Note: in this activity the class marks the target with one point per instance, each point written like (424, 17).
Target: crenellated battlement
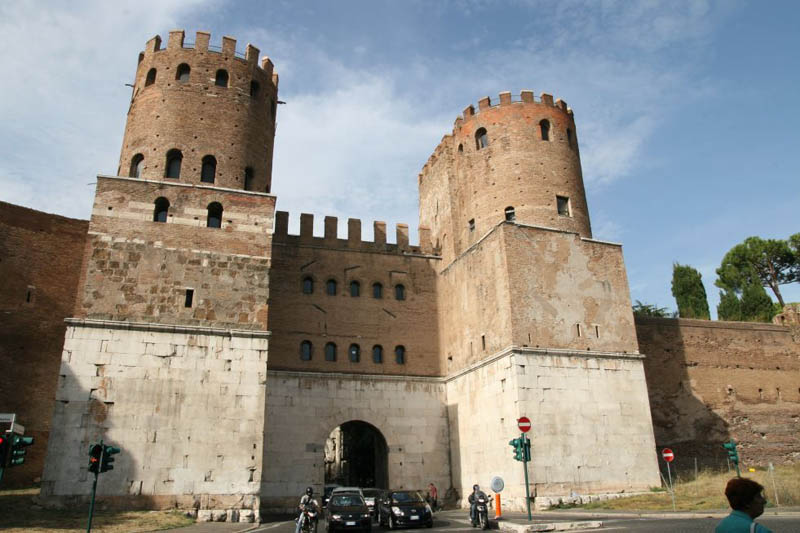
(330, 238)
(202, 44)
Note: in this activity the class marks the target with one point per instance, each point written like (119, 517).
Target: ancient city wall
(352, 317)
(712, 381)
(184, 404)
(303, 408)
(40, 258)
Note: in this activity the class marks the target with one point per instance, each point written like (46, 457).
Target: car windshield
(346, 500)
(406, 497)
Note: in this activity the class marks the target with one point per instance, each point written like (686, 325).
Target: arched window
(544, 127)
(330, 287)
(137, 165)
(254, 88)
(400, 355)
(460, 148)
(209, 169)
(355, 289)
(248, 179)
(182, 73)
(330, 352)
(222, 78)
(173, 167)
(399, 292)
(377, 354)
(214, 219)
(151, 77)
(377, 290)
(308, 285)
(355, 353)
(305, 351)
(161, 209)
(510, 214)
(481, 138)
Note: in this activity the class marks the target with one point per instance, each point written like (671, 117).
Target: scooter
(481, 513)
(309, 519)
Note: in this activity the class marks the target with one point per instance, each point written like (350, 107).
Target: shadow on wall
(451, 495)
(682, 421)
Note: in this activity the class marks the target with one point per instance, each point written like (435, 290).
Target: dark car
(326, 494)
(402, 508)
(347, 510)
(372, 497)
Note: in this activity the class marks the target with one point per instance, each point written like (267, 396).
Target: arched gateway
(356, 455)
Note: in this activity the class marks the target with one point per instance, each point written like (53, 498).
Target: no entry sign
(667, 454)
(524, 424)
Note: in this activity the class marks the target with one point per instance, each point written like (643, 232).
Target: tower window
(308, 285)
(305, 351)
(377, 354)
(189, 297)
(562, 204)
(209, 169)
(330, 352)
(174, 160)
(355, 353)
(221, 79)
(214, 219)
(161, 210)
(330, 287)
(544, 128)
(254, 88)
(460, 148)
(399, 292)
(569, 137)
(355, 289)
(481, 138)
(377, 290)
(510, 214)
(137, 165)
(248, 179)
(273, 107)
(182, 73)
(471, 224)
(400, 355)
(151, 77)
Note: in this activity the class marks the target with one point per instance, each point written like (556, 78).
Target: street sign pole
(94, 489)
(527, 487)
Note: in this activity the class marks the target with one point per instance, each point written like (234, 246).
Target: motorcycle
(309, 518)
(481, 512)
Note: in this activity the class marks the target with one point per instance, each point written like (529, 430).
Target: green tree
(642, 309)
(729, 307)
(768, 262)
(689, 292)
(754, 305)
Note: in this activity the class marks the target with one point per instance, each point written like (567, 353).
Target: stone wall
(185, 405)
(712, 381)
(591, 429)
(303, 408)
(40, 258)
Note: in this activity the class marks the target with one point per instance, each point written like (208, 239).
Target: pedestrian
(434, 494)
(747, 501)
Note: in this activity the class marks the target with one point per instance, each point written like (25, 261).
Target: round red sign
(524, 424)
(667, 454)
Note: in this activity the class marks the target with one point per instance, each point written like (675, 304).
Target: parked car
(372, 497)
(402, 508)
(326, 493)
(339, 489)
(347, 511)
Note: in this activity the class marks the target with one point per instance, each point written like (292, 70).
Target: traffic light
(95, 455)
(3, 453)
(527, 449)
(18, 451)
(733, 455)
(519, 449)
(107, 461)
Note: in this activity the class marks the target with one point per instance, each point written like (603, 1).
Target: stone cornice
(165, 328)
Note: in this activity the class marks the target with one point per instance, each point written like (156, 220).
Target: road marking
(264, 528)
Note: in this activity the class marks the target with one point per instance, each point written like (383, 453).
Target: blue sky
(687, 112)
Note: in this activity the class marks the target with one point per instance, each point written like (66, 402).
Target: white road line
(276, 524)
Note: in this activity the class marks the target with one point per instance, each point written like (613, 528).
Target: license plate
(414, 517)
(349, 523)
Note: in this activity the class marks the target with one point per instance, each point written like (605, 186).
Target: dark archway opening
(356, 455)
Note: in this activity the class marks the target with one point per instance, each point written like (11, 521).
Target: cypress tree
(689, 292)
(729, 307)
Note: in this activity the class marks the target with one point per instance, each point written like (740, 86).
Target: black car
(347, 510)
(401, 508)
(372, 497)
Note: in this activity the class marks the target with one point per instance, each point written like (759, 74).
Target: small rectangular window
(597, 331)
(578, 329)
(189, 298)
(562, 203)
(471, 224)
(29, 294)
(483, 342)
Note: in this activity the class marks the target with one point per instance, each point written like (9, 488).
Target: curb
(551, 526)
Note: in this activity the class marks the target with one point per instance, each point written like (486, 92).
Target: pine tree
(689, 292)
(729, 307)
(756, 304)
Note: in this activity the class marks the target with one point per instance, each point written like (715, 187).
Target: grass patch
(707, 492)
(20, 514)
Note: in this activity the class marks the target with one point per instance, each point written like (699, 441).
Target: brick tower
(166, 354)
(536, 316)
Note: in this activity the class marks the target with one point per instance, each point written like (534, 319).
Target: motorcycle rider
(473, 501)
(308, 498)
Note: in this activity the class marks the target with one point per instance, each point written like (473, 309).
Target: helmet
(475, 487)
(309, 491)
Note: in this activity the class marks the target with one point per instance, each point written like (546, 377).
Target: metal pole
(671, 488)
(695, 476)
(527, 488)
(94, 490)
(774, 489)
(738, 474)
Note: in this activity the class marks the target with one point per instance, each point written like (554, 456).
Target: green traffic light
(18, 451)
(107, 461)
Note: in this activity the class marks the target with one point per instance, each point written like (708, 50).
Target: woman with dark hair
(747, 501)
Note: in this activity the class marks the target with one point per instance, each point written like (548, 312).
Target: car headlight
(397, 511)
(336, 516)
(365, 515)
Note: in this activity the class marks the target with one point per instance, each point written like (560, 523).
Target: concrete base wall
(591, 431)
(304, 408)
(184, 404)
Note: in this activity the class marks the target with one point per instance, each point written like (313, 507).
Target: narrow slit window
(221, 79)
(214, 219)
(161, 209)
(209, 169)
(305, 351)
(355, 353)
(182, 73)
(330, 352)
(355, 289)
(481, 138)
(377, 354)
(29, 294)
(254, 89)
(544, 129)
(187, 302)
(308, 285)
(578, 329)
(569, 137)
(377, 291)
(471, 224)
(562, 204)
(330, 287)
(510, 214)
(483, 342)
(400, 292)
(597, 332)
(137, 165)
(400, 355)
